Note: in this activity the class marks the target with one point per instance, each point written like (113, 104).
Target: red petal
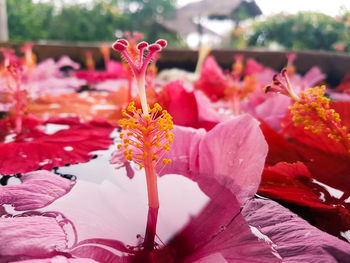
(292, 184)
(327, 160)
(35, 149)
(212, 80)
(182, 105)
(280, 150)
(345, 84)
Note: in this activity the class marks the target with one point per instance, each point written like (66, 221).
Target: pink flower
(201, 222)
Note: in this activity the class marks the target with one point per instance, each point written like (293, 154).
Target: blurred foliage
(149, 14)
(29, 21)
(84, 23)
(305, 30)
(97, 20)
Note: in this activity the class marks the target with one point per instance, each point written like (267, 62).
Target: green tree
(28, 21)
(305, 30)
(79, 22)
(147, 16)
(96, 20)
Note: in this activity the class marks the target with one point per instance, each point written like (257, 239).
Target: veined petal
(295, 239)
(58, 259)
(31, 236)
(234, 149)
(38, 189)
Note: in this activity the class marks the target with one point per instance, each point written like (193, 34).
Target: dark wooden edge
(334, 64)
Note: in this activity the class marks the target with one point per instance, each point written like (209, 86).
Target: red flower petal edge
(36, 148)
(293, 185)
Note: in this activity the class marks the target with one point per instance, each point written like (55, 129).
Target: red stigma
(162, 43)
(118, 46)
(138, 65)
(154, 48)
(123, 42)
(142, 45)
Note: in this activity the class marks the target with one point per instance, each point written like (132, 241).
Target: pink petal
(115, 68)
(206, 109)
(59, 259)
(235, 149)
(99, 254)
(118, 158)
(253, 67)
(45, 69)
(273, 109)
(194, 229)
(220, 228)
(313, 76)
(31, 236)
(65, 61)
(38, 189)
(295, 239)
(184, 152)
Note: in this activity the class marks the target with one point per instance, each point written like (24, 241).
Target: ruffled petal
(36, 236)
(38, 189)
(295, 239)
(59, 259)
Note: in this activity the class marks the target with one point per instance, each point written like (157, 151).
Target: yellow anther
(314, 113)
(145, 134)
(157, 107)
(148, 118)
(166, 161)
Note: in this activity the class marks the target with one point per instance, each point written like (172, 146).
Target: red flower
(36, 147)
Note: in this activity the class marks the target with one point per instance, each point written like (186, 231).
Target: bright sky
(275, 6)
(329, 7)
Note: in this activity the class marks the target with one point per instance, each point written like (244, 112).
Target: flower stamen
(146, 139)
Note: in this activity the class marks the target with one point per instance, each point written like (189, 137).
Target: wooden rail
(334, 64)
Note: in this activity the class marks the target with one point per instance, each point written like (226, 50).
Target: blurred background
(239, 24)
